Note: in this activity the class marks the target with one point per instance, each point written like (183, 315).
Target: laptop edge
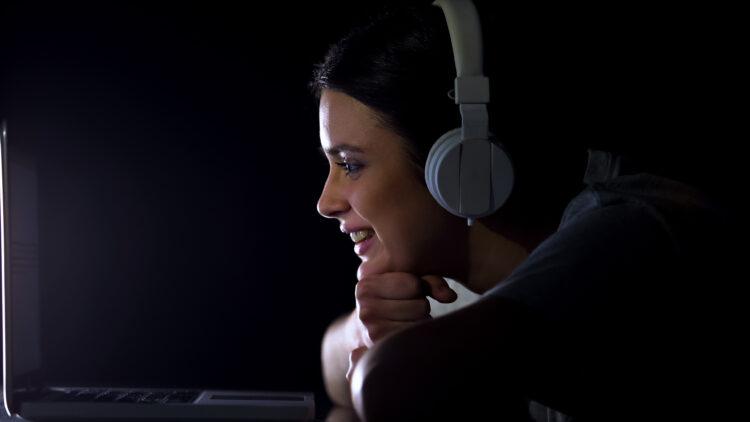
(211, 404)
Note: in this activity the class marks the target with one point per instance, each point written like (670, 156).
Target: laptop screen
(20, 272)
(146, 261)
(23, 264)
(137, 265)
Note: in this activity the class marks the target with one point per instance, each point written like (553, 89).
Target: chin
(377, 264)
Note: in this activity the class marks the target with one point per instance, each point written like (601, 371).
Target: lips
(363, 246)
(361, 236)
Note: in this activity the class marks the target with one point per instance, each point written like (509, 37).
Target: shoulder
(602, 249)
(617, 240)
(595, 228)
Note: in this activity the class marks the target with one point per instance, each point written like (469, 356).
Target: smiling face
(373, 185)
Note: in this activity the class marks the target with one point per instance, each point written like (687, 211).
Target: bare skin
(373, 185)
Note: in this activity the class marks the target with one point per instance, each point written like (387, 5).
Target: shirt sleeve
(597, 289)
(597, 268)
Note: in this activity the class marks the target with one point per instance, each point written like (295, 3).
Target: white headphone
(467, 172)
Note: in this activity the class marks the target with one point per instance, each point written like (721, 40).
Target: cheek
(410, 224)
(414, 230)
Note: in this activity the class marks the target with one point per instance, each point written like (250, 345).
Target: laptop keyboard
(122, 396)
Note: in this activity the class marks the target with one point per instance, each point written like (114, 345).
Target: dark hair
(396, 65)
(400, 64)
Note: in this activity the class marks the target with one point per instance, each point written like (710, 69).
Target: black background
(176, 144)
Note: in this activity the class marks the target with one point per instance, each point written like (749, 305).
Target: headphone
(467, 171)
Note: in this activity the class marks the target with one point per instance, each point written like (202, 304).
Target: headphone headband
(471, 86)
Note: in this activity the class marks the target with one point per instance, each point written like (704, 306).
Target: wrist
(352, 331)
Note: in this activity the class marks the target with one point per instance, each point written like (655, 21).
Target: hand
(392, 301)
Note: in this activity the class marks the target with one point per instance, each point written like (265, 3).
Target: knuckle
(365, 312)
(413, 285)
(361, 290)
(376, 332)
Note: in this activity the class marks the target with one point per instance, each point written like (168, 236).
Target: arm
(457, 367)
(607, 322)
(386, 303)
(338, 342)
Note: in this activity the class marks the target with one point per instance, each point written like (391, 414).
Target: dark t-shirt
(630, 298)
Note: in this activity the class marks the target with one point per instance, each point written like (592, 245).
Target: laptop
(28, 396)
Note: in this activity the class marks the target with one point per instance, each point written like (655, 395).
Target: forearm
(338, 342)
(452, 366)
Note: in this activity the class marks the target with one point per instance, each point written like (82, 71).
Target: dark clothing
(630, 299)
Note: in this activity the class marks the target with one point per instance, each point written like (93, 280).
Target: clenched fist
(389, 302)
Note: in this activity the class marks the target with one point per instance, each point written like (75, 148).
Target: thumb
(438, 289)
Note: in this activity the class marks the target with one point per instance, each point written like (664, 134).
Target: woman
(556, 264)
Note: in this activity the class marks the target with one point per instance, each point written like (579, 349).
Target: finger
(390, 286)
(373, 332)
(354, 357)
(393, 310)
(438, 289)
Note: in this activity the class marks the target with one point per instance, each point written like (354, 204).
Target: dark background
(176, 145)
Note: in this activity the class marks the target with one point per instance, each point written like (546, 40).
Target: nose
(332, 202)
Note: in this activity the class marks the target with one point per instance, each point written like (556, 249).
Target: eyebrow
(336, 150)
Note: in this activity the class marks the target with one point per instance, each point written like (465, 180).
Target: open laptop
(26, 395)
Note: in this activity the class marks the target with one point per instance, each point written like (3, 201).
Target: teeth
(360, 235)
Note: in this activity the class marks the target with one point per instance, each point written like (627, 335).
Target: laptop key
(153, 398)
(84, 396)
(108, 396)
(131, 397)
(182, 397)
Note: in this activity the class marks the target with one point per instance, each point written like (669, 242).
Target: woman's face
(373, 187)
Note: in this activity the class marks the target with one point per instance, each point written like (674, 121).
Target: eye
(349, 167)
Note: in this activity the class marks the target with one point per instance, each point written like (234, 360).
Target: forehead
(347, 124)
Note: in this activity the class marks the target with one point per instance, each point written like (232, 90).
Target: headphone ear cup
(503, 175)
(442, 171)
(443, 175)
